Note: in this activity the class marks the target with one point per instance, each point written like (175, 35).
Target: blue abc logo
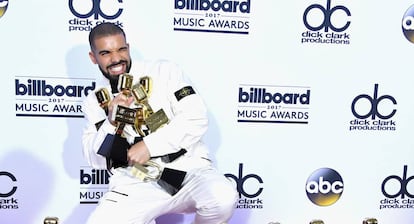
(327, 12)
(94, 11)
(408, 24)
(3, 7)
(324, 186)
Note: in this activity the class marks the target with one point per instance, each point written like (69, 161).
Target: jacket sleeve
(93, 136)
(187, 113)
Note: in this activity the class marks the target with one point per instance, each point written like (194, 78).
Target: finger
(130, 100)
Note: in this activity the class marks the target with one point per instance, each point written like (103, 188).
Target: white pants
(206, 192)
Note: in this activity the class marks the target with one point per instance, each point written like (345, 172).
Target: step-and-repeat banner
(310, 103)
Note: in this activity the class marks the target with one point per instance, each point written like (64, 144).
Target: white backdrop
(293, 161)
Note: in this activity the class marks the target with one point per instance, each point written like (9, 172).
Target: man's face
(111, 54)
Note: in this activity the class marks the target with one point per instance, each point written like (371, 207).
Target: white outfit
(129, 200)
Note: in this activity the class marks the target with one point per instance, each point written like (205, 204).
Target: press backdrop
(310, 103)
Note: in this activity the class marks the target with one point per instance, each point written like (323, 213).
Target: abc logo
(324, 187)
(374, 102)
(403, 183)
(12, 179)
(95, 10)
(327, 13)
(408, 24)
(3, 7)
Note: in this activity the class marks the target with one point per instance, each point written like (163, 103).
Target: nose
(115, 58)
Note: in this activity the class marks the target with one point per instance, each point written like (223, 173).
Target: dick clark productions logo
(373, 112)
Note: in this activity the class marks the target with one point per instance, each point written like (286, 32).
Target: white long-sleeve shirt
(187, 117)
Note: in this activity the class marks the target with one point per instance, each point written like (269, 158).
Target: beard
(113, 79)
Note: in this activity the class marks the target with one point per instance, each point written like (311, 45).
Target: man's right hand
(120, 99)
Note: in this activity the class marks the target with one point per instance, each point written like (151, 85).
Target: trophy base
(115, 148)
(171, 180)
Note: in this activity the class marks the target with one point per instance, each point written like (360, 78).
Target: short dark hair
(104, 29)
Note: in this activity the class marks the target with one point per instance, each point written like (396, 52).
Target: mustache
(117, 63)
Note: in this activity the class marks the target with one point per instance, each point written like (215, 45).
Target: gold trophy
(124, 115)
(370, 221)
(103, 97)
(125, 83)
(150, 171)
(152, 120)
(156, 120)
(316, 221)
(51, 220)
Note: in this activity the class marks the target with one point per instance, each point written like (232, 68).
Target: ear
(92, 57)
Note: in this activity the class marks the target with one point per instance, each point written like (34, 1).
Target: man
(130, 197)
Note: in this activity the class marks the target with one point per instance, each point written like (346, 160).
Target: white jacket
(187, 118)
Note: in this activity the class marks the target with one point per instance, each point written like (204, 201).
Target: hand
(138, 153)
(120, 99)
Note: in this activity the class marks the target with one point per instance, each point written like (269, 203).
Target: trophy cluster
(51, 220)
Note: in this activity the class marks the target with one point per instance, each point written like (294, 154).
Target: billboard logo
(273, 104)
(324, 187)
(212, 16)
(51, 97)
(93, 185)
(94, 177)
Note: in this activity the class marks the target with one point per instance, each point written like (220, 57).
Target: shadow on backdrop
(31, 194)
(78, 66)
